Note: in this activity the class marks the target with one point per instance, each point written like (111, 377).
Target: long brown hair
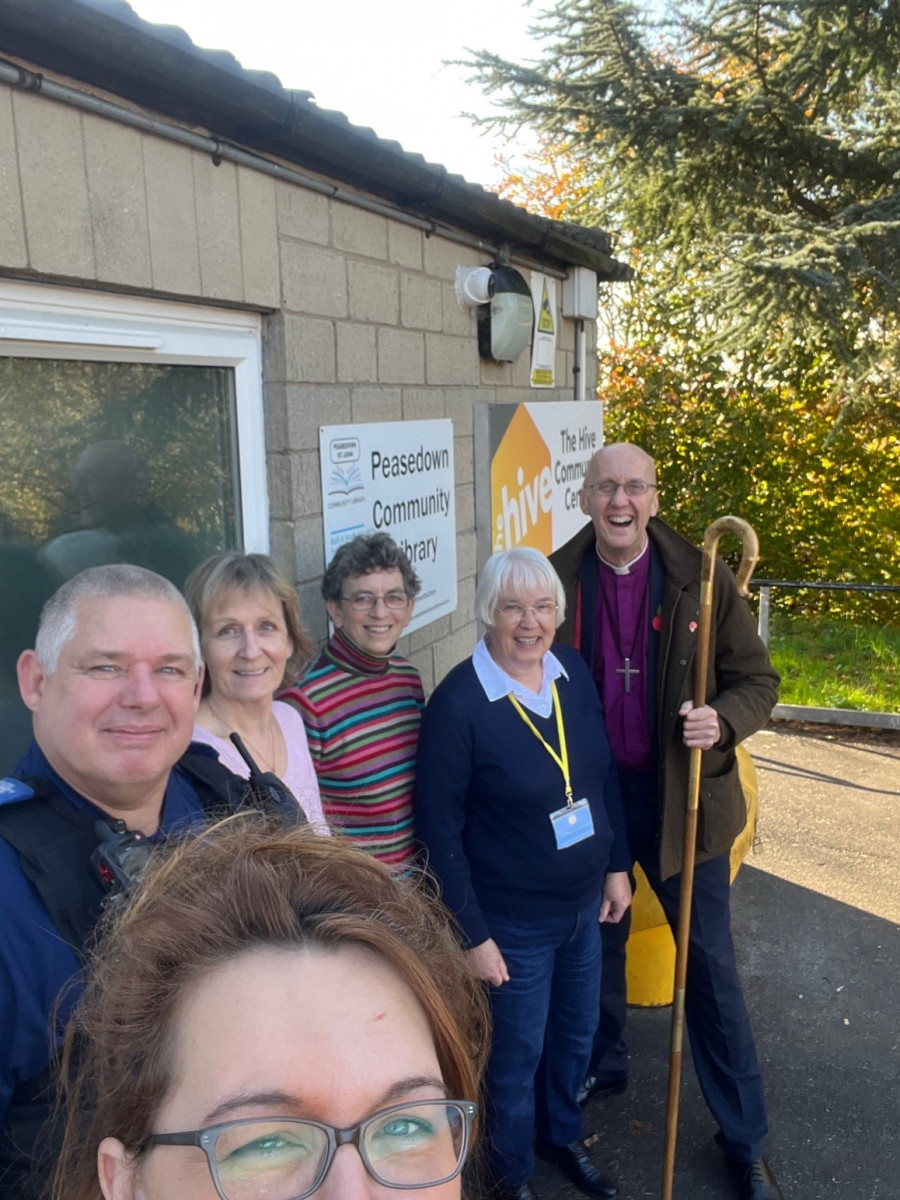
(239, 886)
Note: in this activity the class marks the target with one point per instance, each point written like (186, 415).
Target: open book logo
(343, 481)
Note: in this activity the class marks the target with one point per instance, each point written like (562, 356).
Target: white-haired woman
(518, 805)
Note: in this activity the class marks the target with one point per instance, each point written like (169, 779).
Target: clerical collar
(626, 570)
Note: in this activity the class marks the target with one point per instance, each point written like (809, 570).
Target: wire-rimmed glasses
(608, 487)
(510, 612)
(415, 1145)
(366, 601)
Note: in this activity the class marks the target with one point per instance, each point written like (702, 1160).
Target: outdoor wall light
(474, 285)
(505, 309)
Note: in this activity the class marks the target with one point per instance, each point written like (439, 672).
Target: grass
(828, 663)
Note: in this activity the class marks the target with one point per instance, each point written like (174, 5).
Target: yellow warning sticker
(545, 319)
(543, 345)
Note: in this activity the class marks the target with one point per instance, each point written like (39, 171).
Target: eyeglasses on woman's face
(511, 612)
(373, 610)
(366, 601)
(415, 1145)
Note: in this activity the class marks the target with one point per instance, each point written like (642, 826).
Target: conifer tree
(752, 148)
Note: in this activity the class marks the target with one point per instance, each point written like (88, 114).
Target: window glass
(105, 462)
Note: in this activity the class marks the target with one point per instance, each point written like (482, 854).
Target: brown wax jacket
(742, 686)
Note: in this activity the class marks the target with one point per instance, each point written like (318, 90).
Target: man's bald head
(620, 454)
(619, 495)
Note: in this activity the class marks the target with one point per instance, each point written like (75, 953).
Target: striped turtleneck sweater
(362, 716)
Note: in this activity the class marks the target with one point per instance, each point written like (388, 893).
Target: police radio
(269, 789)
(122, 854)
(120, 857)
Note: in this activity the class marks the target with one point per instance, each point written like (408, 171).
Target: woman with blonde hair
(251, 639)
(272, 1017)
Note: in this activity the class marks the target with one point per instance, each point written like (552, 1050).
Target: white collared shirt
(497, 684)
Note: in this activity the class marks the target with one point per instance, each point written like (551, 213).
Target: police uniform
(50, 897)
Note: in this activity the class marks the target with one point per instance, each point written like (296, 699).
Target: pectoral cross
(628, 670)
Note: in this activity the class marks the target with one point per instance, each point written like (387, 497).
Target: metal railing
(765, 594)
(826, 716)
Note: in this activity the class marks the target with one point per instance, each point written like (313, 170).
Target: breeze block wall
(361, 322)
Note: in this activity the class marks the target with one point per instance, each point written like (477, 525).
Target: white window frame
(42, 321)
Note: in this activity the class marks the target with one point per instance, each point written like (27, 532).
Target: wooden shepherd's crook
(749, 559)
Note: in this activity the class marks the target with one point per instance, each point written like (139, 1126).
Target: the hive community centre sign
(395, 478)
(530, 461)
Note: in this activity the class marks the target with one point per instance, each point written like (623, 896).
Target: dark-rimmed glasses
(609, 487)
(366, 601)
(415, 1145)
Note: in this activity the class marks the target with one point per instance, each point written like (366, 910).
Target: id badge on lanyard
(572, 824)
(575, 822)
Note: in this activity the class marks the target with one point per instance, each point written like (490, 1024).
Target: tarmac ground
(816, 920)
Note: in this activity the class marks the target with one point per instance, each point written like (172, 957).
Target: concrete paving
(816, 909)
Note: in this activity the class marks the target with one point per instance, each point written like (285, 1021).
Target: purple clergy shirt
(625, 599)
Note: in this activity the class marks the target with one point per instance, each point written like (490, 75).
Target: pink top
(300, 775)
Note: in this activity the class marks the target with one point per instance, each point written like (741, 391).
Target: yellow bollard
(650, 961)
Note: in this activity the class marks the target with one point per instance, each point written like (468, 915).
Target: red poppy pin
(656, 623)
(693, 627)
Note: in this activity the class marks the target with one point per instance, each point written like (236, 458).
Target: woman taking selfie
(273, 1017)
(251, 637)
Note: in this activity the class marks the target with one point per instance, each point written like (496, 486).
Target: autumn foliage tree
(748, 156)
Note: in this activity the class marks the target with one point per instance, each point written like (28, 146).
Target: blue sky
(378, 61)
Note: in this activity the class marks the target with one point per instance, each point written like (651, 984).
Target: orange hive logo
(522, 488)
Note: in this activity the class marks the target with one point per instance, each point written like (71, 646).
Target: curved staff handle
(749, 559)
(749, 548)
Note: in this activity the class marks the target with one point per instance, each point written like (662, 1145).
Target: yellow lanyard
(561, 759)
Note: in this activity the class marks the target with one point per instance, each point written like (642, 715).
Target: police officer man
(632, 589)
(113, 684)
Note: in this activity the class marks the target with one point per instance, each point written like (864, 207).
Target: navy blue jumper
(485, 790)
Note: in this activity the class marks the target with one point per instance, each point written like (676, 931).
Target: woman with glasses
(251, 638)
(518, 805)
(362, 702)
(272, 1017)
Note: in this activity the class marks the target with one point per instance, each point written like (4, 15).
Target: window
(130, 431)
